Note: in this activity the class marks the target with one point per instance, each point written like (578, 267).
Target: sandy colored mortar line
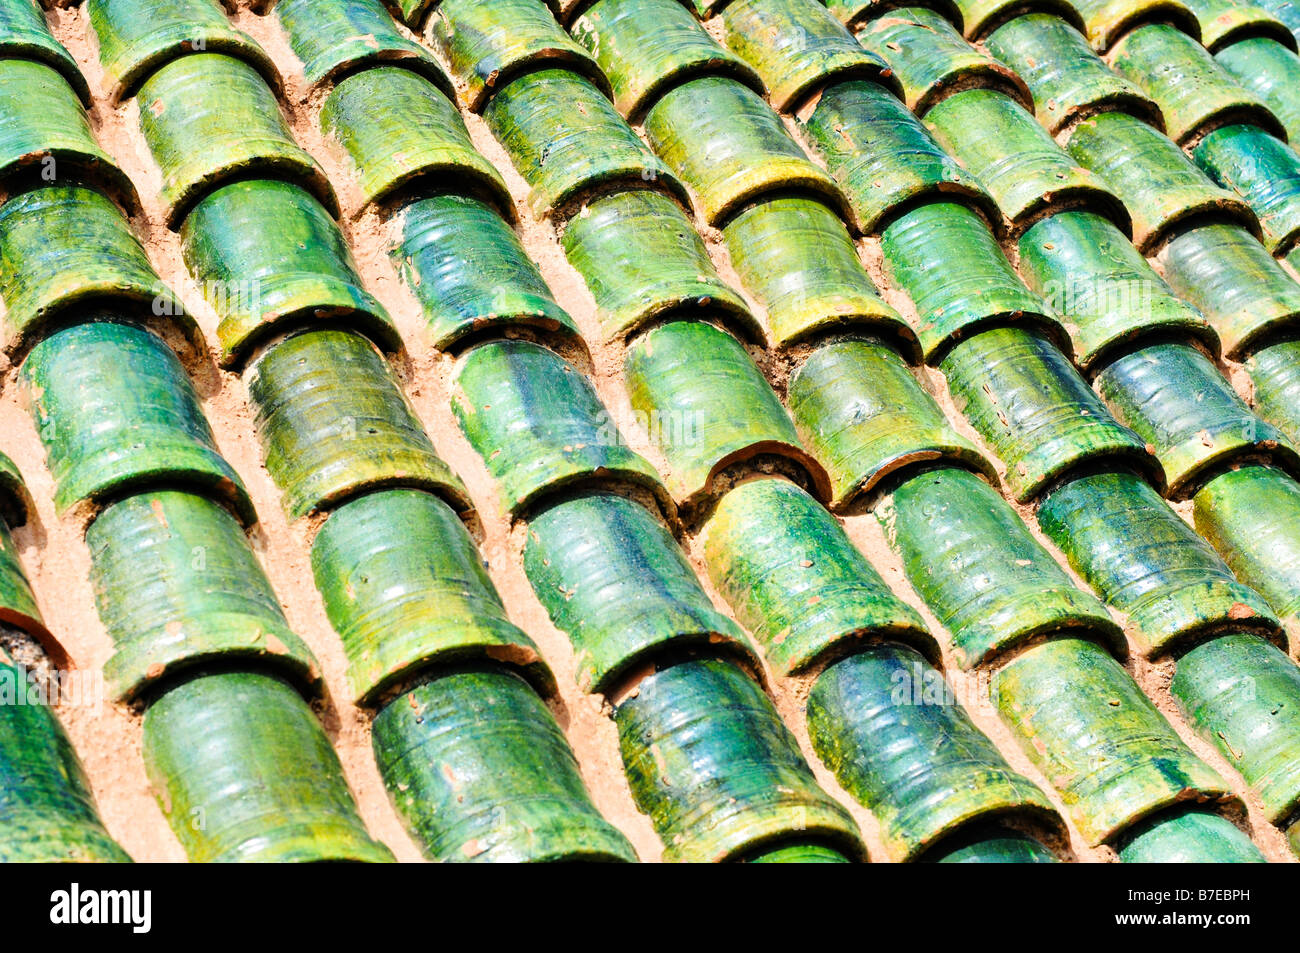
(281, 549)
(426, 377)
(106, 736)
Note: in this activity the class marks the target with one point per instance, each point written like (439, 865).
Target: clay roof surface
(728, 430)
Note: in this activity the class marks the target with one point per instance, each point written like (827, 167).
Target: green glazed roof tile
(24, 34)
(1269, 70)
(645, 47)
(332, 39)
(798, 47)
(933, 60)
(1193, 91)
(137, 37)
(489, 44)
(1224, 22)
